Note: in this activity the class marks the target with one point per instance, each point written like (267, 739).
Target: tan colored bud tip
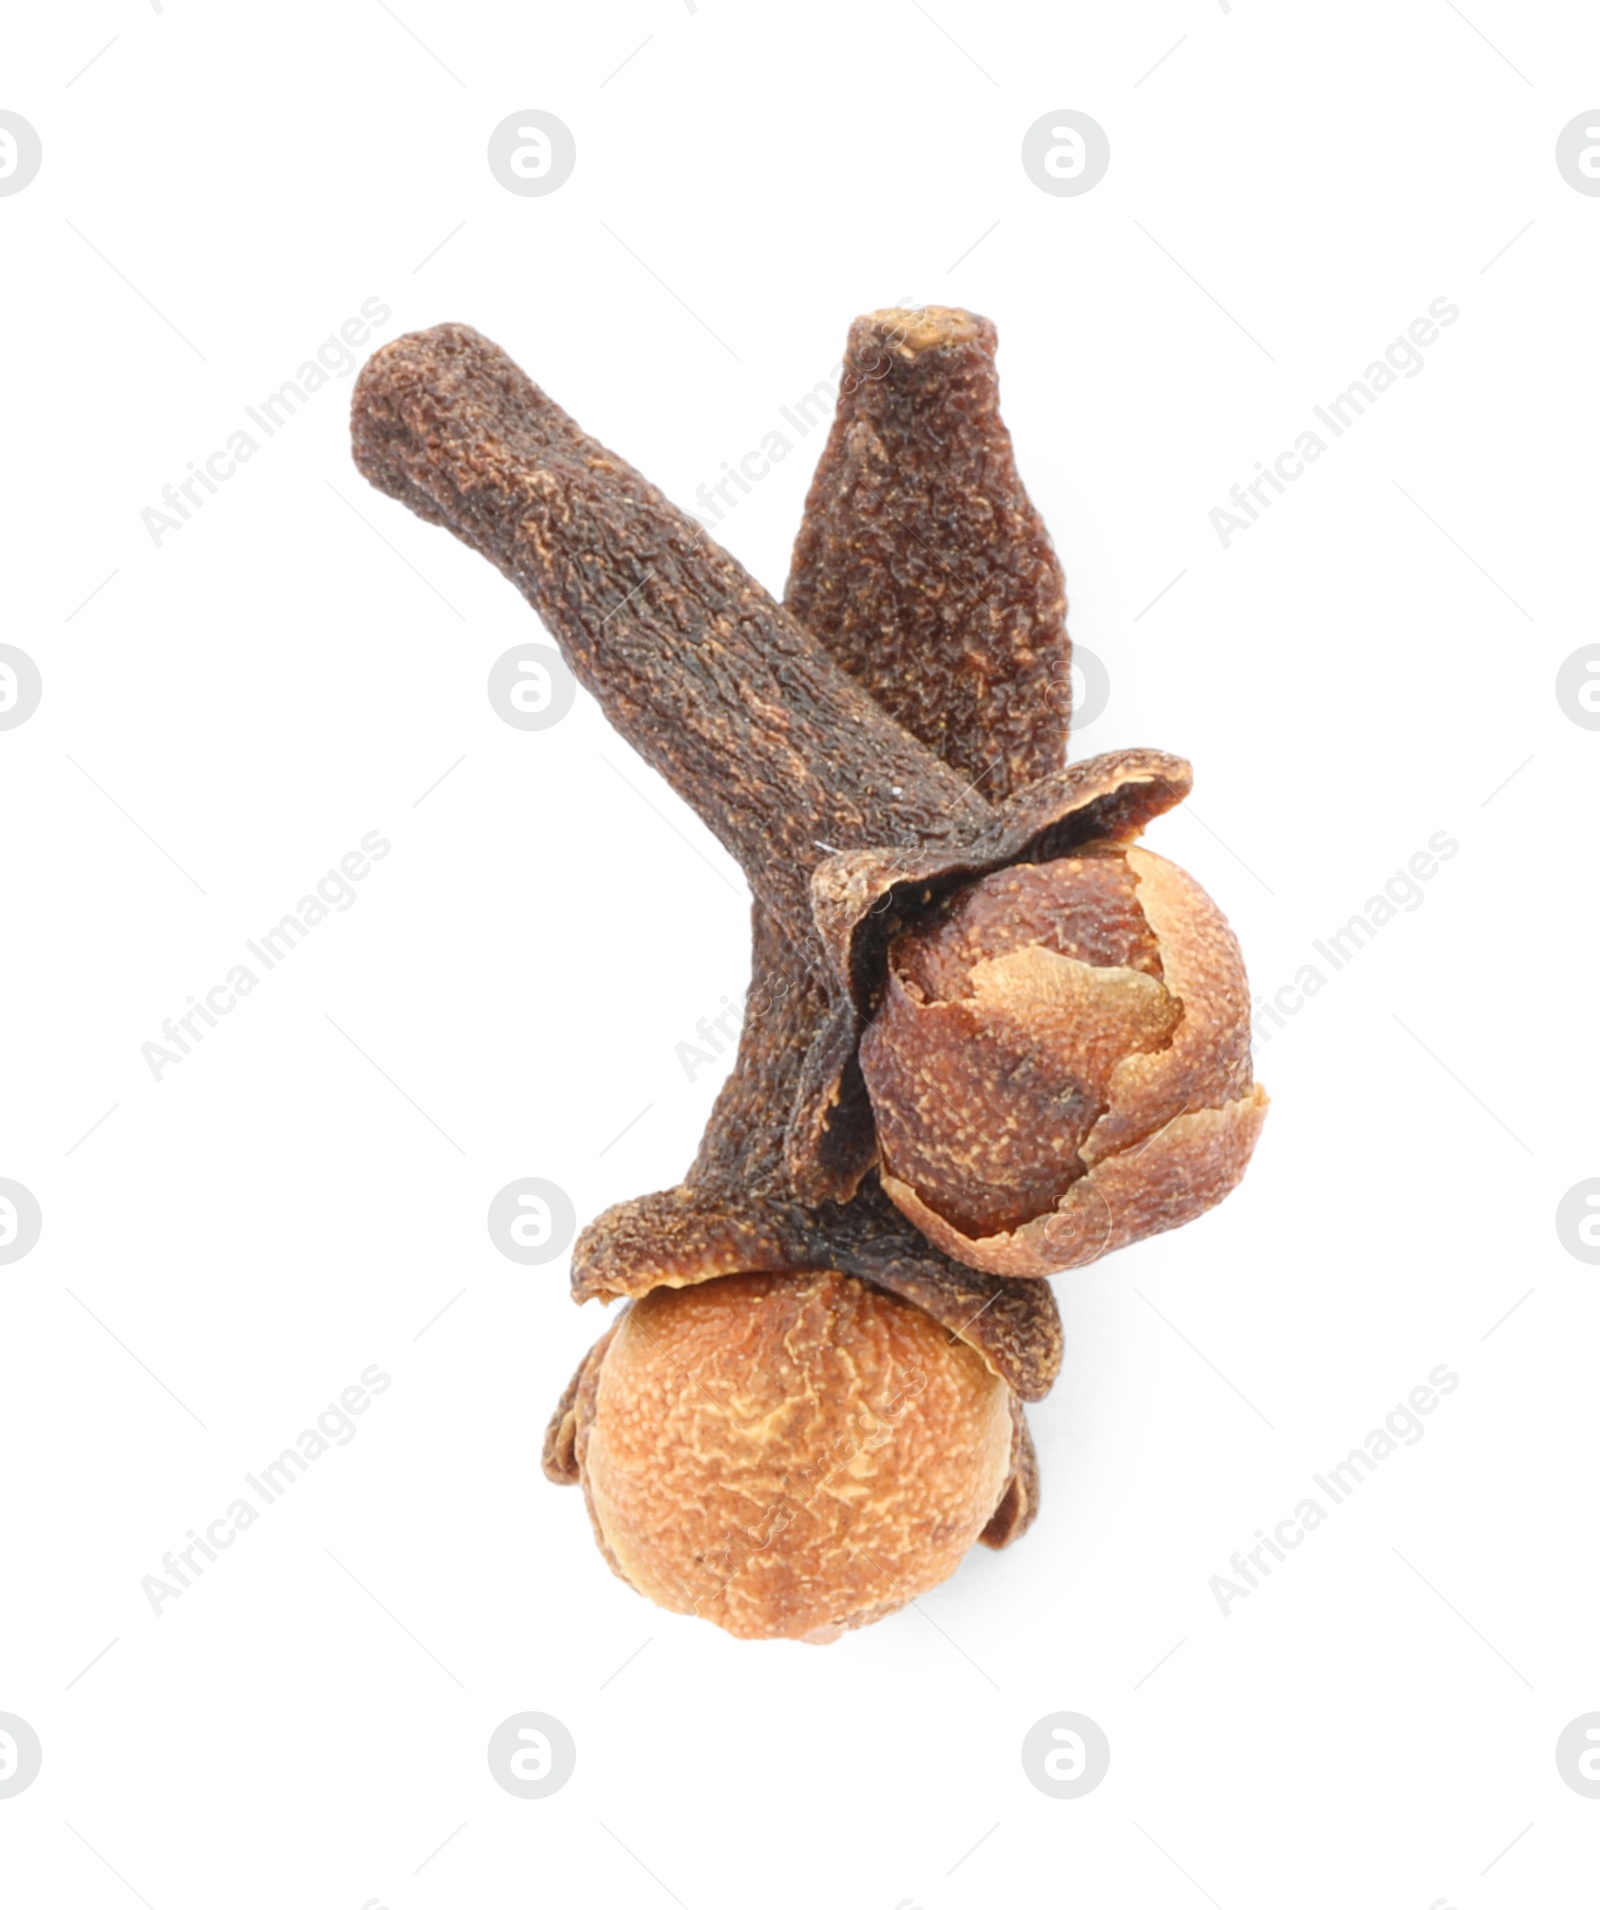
(790, 1455)
(1061, 1062)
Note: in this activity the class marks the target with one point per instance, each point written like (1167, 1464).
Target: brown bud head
(789, 1456)
(1061, 1061)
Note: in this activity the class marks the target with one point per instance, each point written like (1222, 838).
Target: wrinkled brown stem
(713, 683)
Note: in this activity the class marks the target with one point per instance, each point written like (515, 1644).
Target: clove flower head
(789, 1456)
(1060, 1063)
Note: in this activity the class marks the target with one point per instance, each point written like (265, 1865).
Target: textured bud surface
(789, 1456)
(1061, 1063)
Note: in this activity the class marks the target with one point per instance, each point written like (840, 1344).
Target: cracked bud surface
(1061, 1062)
(789, 1456)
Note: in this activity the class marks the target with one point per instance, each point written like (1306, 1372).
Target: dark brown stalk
(715, 685)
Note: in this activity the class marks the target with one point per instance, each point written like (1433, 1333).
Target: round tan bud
(1061, 1062)
(788, 1455)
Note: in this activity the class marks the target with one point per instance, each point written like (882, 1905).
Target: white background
(1367, 666)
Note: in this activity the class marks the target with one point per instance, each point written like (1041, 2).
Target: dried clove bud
(790, 1455)
(811, 1404)
(1061, 1061)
